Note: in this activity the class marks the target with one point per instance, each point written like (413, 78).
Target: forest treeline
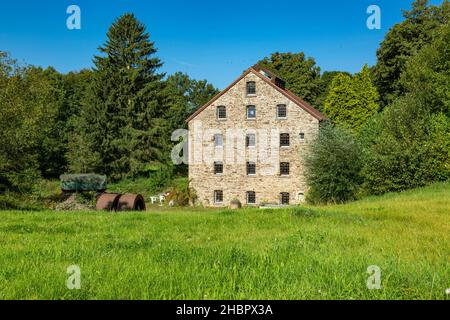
(389, 123)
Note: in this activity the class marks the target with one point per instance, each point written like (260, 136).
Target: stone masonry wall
(267, 183)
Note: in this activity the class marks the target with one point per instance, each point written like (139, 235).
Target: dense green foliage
(408, 145)
(403, 41)
(351, 100)
(123, 114)
(301, 74)
(117, 118)
(298, 253)
(333, 166)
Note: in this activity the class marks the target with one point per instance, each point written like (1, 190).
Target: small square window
(284, 168)
(218, 196)
(251, 168)
(250, 140)
(221, 112)
(302, 136)
(284, 198)
(251, 87)
(251, 112)
(218, 167)
(284, 139)
(218, 140)
(251, 197)
(281, 111)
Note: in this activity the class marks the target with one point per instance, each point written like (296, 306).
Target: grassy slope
(249, 254)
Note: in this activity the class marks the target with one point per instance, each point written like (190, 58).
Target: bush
(405, 147)
(333, 166)
(180, 193)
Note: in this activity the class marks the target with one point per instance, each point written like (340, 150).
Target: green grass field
(296, 253)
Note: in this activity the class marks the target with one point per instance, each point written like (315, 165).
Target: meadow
(193, 253)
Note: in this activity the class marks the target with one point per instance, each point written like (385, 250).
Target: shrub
(333, 166)
(405, 147)
(180, 193)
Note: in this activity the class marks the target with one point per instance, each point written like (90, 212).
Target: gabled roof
(276, 82)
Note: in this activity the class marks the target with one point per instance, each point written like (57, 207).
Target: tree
(187, 96)
(403, 41)
(126, 102)
(428, 73)
(408, 144)
(351, 100)
(405, 147)
(301, 74)
(333, 166)
(325, 83)
(28, 110)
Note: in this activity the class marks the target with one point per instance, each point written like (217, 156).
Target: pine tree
(126, 102)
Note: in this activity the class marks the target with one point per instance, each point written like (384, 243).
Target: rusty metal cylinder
(107, 201)
(131, 202)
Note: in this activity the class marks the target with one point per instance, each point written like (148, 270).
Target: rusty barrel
(128, 202)
(107, 201)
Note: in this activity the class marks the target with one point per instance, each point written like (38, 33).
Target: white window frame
(248, 139)
(247, 109)
(216, 140)
(246, 88)
(215, 196)
(218, 163)
(218, 112)
(278, 107)
(246, 168)
(300, 136)
(247, 196)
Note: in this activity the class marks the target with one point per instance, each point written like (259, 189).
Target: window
(218, 167)
(302, 136)
(250, 140)
(284, 197)
(251, 168)
(218, 140)
(301, 196)
(284, 168)
(251, 197)
(218, 196)
(251, 87)
(251, 112)
(284, 139)
(221, 112)
(281, 111)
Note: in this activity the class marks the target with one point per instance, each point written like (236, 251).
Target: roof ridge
(296, 99)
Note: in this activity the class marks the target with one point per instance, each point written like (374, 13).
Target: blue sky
(214, 40)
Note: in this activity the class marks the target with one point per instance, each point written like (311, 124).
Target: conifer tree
(126, 102)
(352, 100)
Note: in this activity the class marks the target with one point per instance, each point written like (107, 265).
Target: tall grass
(295, 253)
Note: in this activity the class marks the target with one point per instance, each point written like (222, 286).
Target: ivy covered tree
(126, 103)
(351, 101)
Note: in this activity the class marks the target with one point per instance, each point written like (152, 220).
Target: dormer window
(281, 111)
(221, 112)
(251, 87)
(251, 112)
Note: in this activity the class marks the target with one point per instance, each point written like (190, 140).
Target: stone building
(247, 143)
